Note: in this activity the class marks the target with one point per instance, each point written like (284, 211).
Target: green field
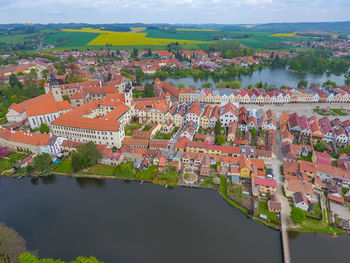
(18, 38)
(188, 35)
(77, 39)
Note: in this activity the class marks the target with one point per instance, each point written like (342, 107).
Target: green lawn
(16, 156)
(5, 164)
(65, 167)
(271, 217)
(223, 188)
(147, 128)
(74, 39)
(126, 170)
(166, 136)
(169, 175)
(147, 174)
(131, 127)
(306, 158)
(340, 112)
(102, 169)
(18, 38)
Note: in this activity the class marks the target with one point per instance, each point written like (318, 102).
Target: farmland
(284, 34)
(127, 38)
(71, 39)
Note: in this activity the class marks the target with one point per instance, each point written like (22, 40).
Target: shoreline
(228, 200)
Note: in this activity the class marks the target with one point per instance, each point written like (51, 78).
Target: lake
(121, 222)
(276, 77)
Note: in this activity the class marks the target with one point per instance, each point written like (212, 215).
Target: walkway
(285, 208)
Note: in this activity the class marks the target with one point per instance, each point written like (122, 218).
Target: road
(285, 207)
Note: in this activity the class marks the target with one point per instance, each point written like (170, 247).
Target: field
(18, 38)
(199, 30)
(127, 38)
(284, 34)
(181, 34)
(73, 39)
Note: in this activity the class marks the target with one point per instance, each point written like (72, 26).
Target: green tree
(44, 128)
(92, 68)
(302, 83)
(12, 245)
(86, 155)
(329, 83)
(218, 127)
(220, 139)
(29, 258)
(66, 98)
(320, 146)
(253, 132)
(14, 82)
(207, 85)
(181, 86)
(297, 215)
(41, 162)
(70, 59)
(346, 149)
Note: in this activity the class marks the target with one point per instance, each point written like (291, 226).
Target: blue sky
(173, 11)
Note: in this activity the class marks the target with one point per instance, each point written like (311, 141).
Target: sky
(173, 11)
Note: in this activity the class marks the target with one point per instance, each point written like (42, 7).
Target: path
(285, 208)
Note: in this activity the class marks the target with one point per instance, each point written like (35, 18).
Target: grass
(307, 158)
(147, 128)
(340, 112)
(332, 112)
(18, 38)
(73, 38)
(126, 170)
(65, 167)
(208, 181)
(166, 136)
(181, 34)
(102, 169)
(223, 188)
(5, 164)
(127, 38)
(271, 217)
(197, 30)
(16, 156)
(147, 174)
(131, 127)
(168, 175)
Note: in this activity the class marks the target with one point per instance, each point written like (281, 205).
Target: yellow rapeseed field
(128, 38)
(189, 29)
(284, 34)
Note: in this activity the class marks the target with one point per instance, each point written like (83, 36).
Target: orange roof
(36, 139)
(18, 107)
(74, 118)
(63, 105)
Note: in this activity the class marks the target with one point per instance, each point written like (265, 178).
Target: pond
(276, 77)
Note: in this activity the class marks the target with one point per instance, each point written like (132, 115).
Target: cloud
(173, 11)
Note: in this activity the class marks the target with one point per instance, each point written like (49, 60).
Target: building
(94, 121)
(300, 201)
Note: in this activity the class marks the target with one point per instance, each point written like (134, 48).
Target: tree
(220, 139)
(329, 83)
(41, 162)
(181, 86)
(92, 68)
(66, 98)
(253, 132)
(302, 83)
(14, 82)
(29, 258)
(12, 245)
(70, 59)
(346, 149)
(44, 128)
(320, 146)
(86, 155)
(218, 127)
(297, 215)
(207, 85)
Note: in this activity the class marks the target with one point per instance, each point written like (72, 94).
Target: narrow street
(285, 208)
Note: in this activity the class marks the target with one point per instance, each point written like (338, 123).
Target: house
(194, 113)
(300, 201)
(261, 185)
(205, 121)
(228, 114)
(293, 186)
(273, 204)
(231, 134)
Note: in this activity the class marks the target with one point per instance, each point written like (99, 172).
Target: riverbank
(311, 226)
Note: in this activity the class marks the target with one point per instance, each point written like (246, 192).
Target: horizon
(223, 12)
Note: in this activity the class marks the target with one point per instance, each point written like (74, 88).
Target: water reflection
(83, 182)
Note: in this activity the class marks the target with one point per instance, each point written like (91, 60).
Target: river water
(121, 222)
(276, 77)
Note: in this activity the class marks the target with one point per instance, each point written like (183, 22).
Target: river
(121, 222)
(276, 77)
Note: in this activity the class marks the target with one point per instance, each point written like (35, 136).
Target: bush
(44, 128)
(220, 139)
